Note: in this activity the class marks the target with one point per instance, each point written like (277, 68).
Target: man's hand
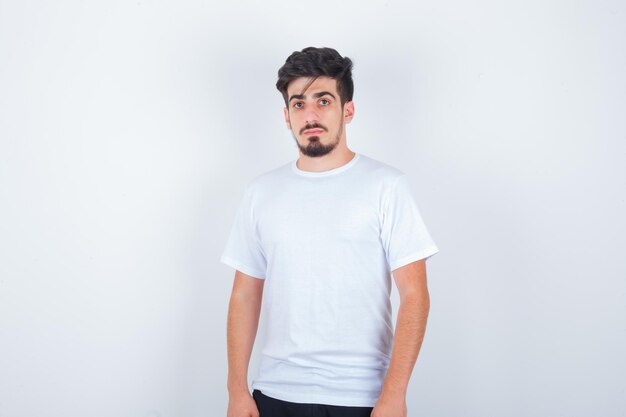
(390, 405)
(242, 405)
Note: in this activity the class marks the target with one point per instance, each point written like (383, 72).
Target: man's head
(316, 84)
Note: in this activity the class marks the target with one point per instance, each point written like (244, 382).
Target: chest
(301, 217)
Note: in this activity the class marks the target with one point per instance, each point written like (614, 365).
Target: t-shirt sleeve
(404, 235)
(243, 249)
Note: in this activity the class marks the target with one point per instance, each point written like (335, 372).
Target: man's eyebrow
(316, 95)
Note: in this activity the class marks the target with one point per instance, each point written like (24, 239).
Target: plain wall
(128, 130)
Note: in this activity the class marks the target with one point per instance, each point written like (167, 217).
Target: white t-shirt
(326, 243)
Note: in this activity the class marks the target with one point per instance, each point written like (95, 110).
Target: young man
(318, 239)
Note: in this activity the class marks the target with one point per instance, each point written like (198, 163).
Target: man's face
(315, 116)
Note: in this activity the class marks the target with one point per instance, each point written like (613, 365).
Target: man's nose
(311, 116)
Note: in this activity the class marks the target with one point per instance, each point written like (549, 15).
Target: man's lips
(313, 131)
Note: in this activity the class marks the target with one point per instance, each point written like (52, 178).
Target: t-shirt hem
(311, 398)
(425, 253)
(242, 267)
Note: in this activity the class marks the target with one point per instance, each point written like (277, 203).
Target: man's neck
(332, 160)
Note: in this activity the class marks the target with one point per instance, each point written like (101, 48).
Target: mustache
(314, 126)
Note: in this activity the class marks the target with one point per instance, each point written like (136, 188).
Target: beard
(315, 148)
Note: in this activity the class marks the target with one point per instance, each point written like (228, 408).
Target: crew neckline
(326, 173)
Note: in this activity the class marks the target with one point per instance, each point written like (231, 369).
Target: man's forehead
(302, 84)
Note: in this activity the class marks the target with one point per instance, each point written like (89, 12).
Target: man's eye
(327, 102)
(297, 105)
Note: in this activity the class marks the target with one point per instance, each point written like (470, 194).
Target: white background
(128, 130)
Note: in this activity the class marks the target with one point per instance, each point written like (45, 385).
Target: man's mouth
(313, 131)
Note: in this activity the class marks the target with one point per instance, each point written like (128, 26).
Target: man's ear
(348, 111)
(286, 112)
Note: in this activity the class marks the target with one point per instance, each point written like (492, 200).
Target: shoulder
(379, 171)
(268, 180)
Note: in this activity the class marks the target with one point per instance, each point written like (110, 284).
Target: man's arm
(410, 327)
(243, 320)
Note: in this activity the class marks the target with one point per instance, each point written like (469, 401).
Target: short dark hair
(315, 62)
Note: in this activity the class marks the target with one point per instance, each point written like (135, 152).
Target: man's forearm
(243, 320)
(408, 337)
